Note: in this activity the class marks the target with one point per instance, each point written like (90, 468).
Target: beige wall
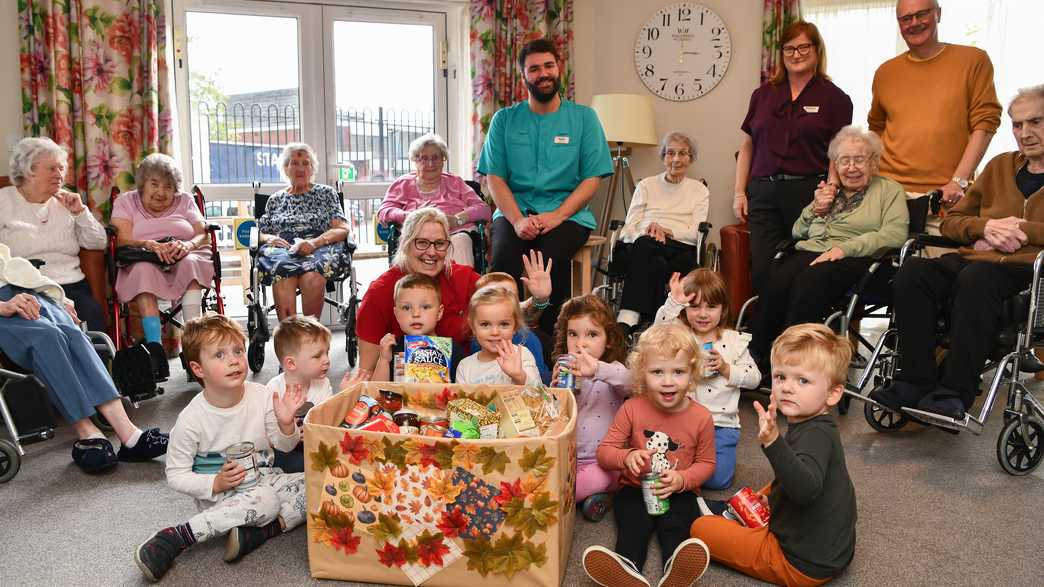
(605, 31)
(10, 96)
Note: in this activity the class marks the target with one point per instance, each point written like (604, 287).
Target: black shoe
(243, 540)
(944, 402)
(157, 554)
(151, 444)
(94, 455)
(625, 328)
(897, 396)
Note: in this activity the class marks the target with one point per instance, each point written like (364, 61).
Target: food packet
(427, 359)
(542, 404)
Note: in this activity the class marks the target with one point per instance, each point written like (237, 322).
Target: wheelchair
(22, 393)
(479, 242)
(1020, 445)
(614, 274)
(258, 306)
(869, 298)
(137, 368)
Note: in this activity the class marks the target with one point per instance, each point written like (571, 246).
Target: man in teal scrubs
(543, 160)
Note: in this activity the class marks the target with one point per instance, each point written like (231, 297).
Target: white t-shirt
(319, 390)
(472, 370)
(202, 428)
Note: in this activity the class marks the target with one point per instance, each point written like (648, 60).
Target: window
(862, 34)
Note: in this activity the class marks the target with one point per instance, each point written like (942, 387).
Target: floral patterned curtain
(776, 17)
(94, 79)
(499, 28)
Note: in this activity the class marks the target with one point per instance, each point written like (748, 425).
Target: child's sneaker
(594, 507)
(156, 555)
(243, 540)
(151, 444)
(609, 569)
(686, 565)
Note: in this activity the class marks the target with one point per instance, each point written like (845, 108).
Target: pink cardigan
(454, 196)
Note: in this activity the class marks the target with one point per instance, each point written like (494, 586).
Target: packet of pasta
(427, 359)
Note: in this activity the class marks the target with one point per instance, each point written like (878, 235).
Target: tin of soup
(243, 454)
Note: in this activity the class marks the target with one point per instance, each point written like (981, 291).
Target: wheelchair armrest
(932, 240)
(13, 375)
(705, 227)
(255, 239)
(616, 224)
(102, 343)
(212, 228)
(884, 253)
(37, 263)
(787, 246)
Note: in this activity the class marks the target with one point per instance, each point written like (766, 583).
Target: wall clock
(682, 51)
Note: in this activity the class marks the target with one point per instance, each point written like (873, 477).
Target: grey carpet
(933, 509)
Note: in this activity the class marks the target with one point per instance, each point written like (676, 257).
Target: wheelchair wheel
(1018, 453)
(256, 355)
(101, 422)
(351, 339)
(10, 461)
(883, 420)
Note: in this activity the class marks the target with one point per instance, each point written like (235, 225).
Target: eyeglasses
(802, 49)
(669, 154)
(857, 161)
(423, 244)
(908, 19)
(432, 159)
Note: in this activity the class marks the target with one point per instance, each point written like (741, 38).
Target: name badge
(562, 140)
(812, 109)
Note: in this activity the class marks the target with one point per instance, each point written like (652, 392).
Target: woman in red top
(423, 248)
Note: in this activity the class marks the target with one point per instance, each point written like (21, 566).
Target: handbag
(130, 255)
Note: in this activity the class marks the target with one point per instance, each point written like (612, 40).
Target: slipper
(151, 444)
(94, 455)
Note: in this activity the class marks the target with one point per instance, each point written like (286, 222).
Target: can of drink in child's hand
(707, 348)
(243, 454)
(654, 505)
(748, 507)
(566, 372)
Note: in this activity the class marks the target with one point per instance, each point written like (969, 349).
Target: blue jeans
(725, 441)
(59, 354)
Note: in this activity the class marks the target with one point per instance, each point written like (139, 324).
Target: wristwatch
(961, 183)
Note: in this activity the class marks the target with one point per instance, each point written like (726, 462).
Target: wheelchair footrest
(137, 370)
(945, 422)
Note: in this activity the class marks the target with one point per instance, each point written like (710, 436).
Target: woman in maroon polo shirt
(423, 248)
(783, 156)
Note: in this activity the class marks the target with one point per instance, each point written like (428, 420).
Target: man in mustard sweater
(934, 106)
(1001, 225)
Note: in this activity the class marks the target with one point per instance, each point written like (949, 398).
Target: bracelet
(541, 305)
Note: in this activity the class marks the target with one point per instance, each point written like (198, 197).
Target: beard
(541, 96)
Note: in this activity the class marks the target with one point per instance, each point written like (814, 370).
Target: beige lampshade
(626, 118)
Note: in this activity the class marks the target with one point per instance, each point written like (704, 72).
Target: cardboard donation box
(413, 509)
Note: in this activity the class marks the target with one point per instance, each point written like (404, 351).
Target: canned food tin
(748, 507)
(566, 372)
(361, 411)
(707, 348)
(243, 454)
(655, 506)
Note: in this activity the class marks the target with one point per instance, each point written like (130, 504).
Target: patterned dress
(300, 216)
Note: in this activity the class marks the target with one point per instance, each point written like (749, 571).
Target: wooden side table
(581, 265)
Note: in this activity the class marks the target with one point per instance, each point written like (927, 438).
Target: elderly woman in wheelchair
(38, 332)
(835, 237)
(302, 236)
(160, 219)
(429, 185)
(998, 229)
(661, 234)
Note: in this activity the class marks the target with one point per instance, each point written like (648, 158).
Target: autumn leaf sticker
(430, 548)
(441, 487)
(453, 523)
(387, 527)
(492, 460)
(344, 539)
(324, 458)
(507, 556)
(394, 453)
(382, 481)
(536, 461)
(355, 448)
(538, 514)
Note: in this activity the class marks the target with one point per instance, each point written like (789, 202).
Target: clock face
(682, 51)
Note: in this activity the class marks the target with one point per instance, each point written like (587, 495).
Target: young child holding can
(252, 503)
(302, 346)
(587, 332)
(659, 430)
(701, 302)
(810, 537)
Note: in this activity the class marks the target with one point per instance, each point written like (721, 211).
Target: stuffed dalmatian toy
(659, 443)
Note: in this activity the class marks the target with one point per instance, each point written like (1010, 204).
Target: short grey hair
(856, 133)
(414, 221)
(1027, 94)
(288, 152)
(677, 136)
(27, 151)
(429, 140)
(158, 165)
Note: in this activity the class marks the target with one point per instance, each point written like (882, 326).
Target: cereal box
(427, 359)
